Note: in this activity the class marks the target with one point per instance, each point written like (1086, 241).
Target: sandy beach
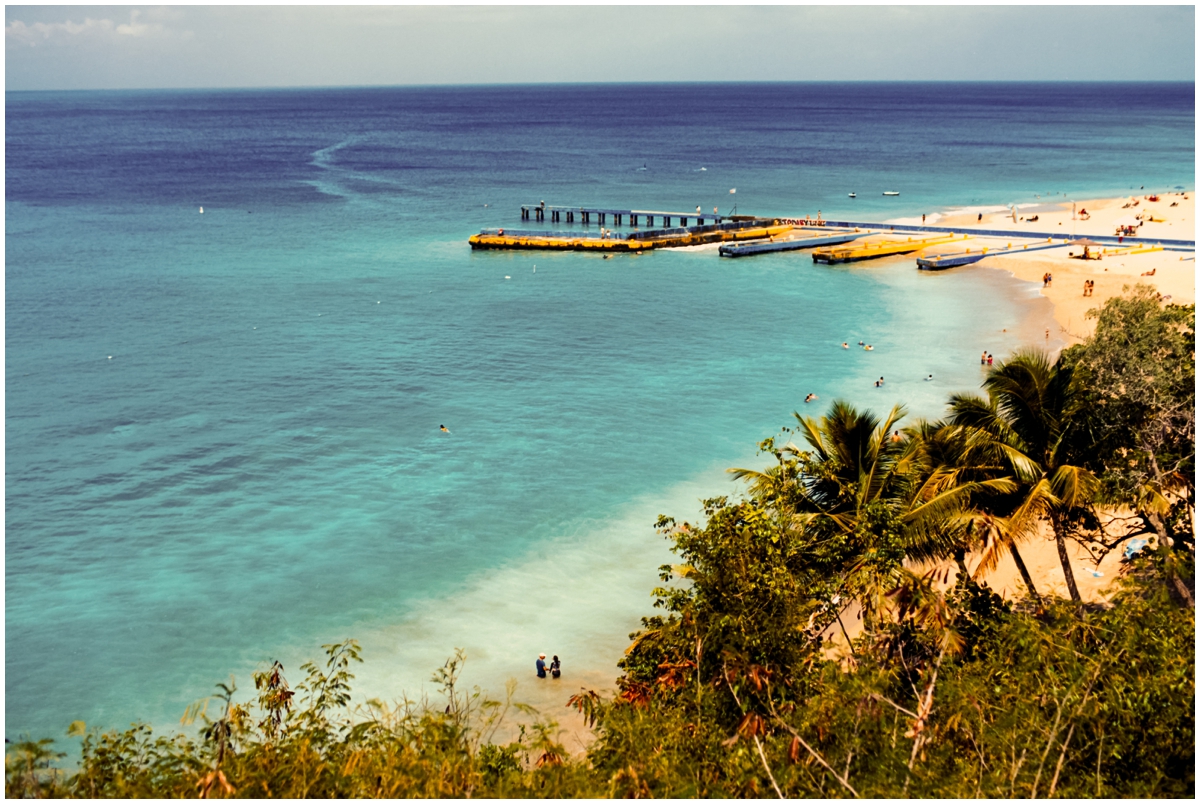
(1172, 273)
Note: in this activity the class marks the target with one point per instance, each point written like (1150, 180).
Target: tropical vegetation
(827, 632)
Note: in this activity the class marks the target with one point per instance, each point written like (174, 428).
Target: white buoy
(110, 357)
(201, 210)
(508, 277)
(379, 302)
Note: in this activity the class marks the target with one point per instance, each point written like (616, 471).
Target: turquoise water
(222, 428)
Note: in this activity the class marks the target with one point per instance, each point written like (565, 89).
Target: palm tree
(1024, 429)
(960, 466)
(877, 493)
(851, 476)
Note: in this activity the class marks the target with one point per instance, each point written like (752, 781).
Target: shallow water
(258, 469)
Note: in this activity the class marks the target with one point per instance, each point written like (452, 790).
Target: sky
(142, 47)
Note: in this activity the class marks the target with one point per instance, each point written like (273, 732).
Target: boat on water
(854, 195)
(890, 192)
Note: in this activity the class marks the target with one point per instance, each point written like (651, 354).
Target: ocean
(222, 428)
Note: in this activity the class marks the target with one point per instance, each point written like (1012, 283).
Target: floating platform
(789, 244)
(886, 248)
(940, 262)
(634, 241)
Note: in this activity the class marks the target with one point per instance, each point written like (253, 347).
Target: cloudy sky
(114, 47)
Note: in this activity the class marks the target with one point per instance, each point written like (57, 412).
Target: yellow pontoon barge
(880, 248)
(630, 241)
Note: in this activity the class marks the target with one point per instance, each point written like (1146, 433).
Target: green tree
(1135, 386)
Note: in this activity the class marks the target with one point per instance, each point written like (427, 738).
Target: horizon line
(614, 84)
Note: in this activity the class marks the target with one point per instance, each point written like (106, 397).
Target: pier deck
(540, 212)
(1011, 234)
(747, 235)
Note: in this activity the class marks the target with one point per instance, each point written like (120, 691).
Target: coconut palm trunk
(1068, 573)
(1025, 576)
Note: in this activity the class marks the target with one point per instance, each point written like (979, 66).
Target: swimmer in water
(868, 348)
(810, 398)
(879, 383)
(930, 377)
(860, 343)
(845, 345)
(443, 428)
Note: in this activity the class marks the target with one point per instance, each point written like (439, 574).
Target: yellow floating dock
(488, 240)
(1122, 251)
(884, 248)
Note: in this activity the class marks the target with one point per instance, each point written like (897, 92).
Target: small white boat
(854, 195)
(890, 192)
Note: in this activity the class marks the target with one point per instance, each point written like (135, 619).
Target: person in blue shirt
(541, 665)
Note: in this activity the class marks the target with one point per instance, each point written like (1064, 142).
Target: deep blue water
(258, 467)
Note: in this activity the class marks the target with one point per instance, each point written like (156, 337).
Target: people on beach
(896, 437)
(541, 665)
(922, 219)
(879, 383)
(980, 218)
(555, 667)
(1088, 287)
